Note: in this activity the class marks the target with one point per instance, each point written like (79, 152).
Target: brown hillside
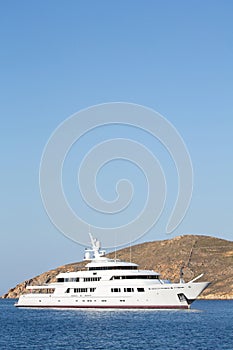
(198, 254)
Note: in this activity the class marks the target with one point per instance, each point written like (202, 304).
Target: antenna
(91, 237)
(115, 246)
(130, 252)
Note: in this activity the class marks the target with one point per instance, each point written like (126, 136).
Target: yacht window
(80, 290)
(128, 290)
(141, 290)
(74, 279)
(70, 279)
(115, 290)
(91, 279)
(42, 291)
(92, 290)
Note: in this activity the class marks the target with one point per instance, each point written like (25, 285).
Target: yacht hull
(155, 296)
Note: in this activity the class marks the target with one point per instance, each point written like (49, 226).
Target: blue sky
(58, 57)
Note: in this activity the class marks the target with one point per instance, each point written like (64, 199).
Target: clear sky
(58, 57)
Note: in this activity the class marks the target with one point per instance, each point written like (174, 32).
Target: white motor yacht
(111, 283)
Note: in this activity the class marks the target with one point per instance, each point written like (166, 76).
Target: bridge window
(134, 277)
(113, 268)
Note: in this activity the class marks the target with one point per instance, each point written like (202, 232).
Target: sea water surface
(208, 325)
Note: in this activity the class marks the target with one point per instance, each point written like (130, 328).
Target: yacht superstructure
(111, 283)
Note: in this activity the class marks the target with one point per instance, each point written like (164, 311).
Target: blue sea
(208, 325)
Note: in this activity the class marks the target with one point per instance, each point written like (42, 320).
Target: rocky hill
(198, 254)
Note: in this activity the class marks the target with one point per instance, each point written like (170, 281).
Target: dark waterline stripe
(102, 307)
